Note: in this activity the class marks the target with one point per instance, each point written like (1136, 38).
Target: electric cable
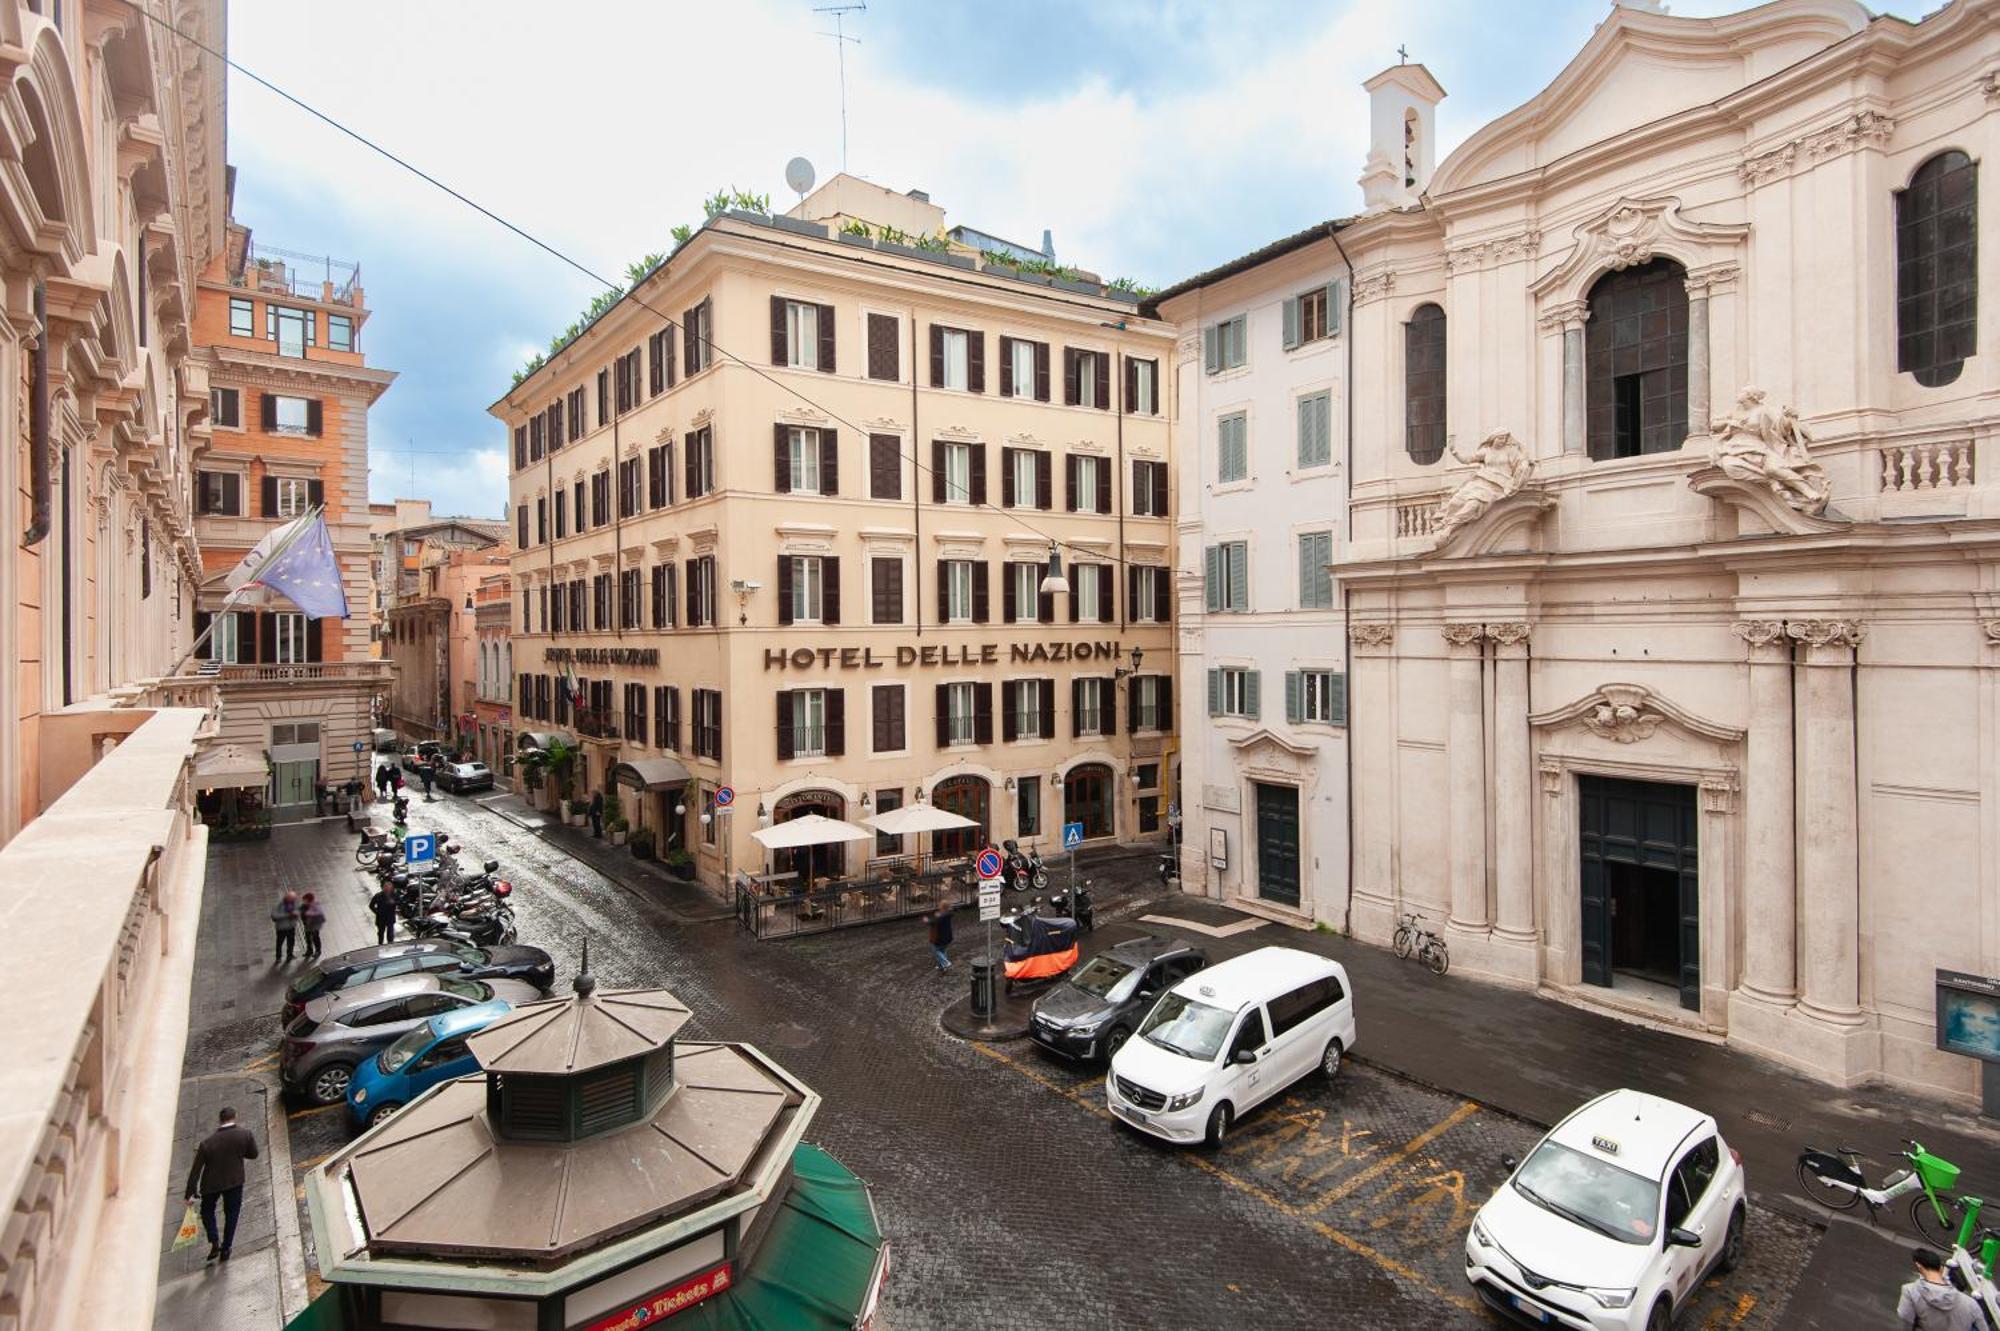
(916, 461)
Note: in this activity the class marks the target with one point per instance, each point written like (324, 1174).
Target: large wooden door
(1278, 844)
(1651, 827)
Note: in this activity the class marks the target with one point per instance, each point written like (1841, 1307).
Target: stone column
(1770, 885)
(1513, 781)
(1827, 843)
(1570, 316)
(1371, 731)
(1465, 762)
(1697, 399)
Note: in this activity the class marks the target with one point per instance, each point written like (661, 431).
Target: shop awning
(541, 739)
(812, 829)
(230, 767)
(650, 773)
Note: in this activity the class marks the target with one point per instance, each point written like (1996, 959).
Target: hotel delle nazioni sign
(937, 655)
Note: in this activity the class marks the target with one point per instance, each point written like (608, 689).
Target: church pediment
(1270, 742)
(1629, 713)
(1768, 511)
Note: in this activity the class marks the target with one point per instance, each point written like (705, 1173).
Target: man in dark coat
(217, 1176)
(597, 813)
(940, 935)
(383, 907)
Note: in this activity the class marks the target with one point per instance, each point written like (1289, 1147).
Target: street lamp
(1054, 581)
(1120, 672)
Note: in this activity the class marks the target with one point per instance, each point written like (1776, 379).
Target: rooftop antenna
(799, 175)
(840, 41)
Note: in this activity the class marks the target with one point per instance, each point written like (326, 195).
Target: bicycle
(1430, 949)
(1972, 1273)
(1834, 1180)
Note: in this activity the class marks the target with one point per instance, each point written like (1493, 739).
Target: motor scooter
(1039, 947)
(1023, 870)
(1083, 910)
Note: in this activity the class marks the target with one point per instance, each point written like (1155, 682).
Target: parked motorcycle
(1083, 909)
(1039, 947)
(1023, 870)
(491, 927)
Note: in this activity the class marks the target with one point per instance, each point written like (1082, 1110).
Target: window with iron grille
(1937, 269)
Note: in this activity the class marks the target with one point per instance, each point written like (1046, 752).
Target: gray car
(324, 1043)
(461, 777)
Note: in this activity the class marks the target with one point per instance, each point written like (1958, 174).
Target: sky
(1154, 140)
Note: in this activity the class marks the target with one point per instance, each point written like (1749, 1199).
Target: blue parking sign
(1072, 835)
(420, 847)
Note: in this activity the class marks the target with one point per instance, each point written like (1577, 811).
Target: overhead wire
(916, 461)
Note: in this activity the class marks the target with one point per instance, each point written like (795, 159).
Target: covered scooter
(1039, 947)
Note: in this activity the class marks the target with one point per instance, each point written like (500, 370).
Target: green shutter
(1212, 578)
(1336, 303)
(1215, 693)
(1294, 708)
(1291, 322)
(1338, 712)
(1315, 442)
(1253, 685)
(1211, 348)
(1315, 581)
(1238, 555)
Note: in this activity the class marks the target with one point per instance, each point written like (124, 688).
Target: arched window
(1423, 384)
(1636, 361)
(1937, 285)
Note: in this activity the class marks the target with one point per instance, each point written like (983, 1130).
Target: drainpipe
(38, 422)
(916, 488)
(1346, 609)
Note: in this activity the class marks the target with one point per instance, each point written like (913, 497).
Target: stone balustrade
(1907, 468)
(383, 671)
(1417, 517)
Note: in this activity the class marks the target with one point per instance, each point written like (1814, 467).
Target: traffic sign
(1173, 811)
(725, 796)
(1072, 835)
(989, 901)
(420, 847)
(359, 746)
(989, 867)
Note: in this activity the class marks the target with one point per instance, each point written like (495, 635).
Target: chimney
(921, 196)
(1402, 125)
(1048, 244)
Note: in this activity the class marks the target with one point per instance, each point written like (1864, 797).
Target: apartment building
(432, 641)
(784, 515)
(493, 692)
(280, 334)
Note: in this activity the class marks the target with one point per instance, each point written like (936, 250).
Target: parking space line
(317, 1109)
(1394, 1158)
(264, 1064)
(1249, 1189)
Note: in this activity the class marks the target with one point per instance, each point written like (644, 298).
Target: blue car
(432, 1053)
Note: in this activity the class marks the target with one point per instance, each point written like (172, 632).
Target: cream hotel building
(783, 515)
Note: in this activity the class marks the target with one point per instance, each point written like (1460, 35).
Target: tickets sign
(666, 1302)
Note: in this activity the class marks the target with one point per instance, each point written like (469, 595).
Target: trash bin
(983, 972)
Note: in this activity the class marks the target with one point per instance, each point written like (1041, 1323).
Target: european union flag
(308, 575)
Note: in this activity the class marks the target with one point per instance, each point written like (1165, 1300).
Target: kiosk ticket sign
(666, 1302)
(1968, 1023)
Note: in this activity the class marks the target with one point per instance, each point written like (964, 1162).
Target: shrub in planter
(679, 863)
(642, 844)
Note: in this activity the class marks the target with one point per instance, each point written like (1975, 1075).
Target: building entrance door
(813, 863)
(1278, 843)
(1087, 800)
(1641, 884)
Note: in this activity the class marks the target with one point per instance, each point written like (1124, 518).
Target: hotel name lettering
(936, 655)
(639, 656)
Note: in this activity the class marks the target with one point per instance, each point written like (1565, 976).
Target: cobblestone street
(1009, 1195)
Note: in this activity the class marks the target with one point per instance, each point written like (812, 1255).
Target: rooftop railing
(303, 276)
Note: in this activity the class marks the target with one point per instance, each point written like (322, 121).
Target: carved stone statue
(1502, 466)
(1761, 445)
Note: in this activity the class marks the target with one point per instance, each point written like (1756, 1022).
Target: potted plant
(615, 826)
(642, 844)
(679, 863)
(576, 812)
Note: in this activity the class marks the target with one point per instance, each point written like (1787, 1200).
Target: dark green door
(1278, 844)
(1641, 883)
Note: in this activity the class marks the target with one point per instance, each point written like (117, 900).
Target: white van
(1226, 1039)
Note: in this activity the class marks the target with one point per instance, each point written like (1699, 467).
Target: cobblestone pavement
(1009, 1196)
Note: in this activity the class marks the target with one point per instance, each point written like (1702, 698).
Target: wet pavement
(1009, 1196)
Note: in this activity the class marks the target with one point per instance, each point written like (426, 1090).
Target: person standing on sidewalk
(217, 1176)
(285, 923)
(597, 814)
(382, 781)
(940, 935)
(1929, 1302)
(312, 916)
(383, 907)
(427, 773)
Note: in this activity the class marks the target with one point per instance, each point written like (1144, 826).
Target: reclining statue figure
(1760, 445)
(1503, 466)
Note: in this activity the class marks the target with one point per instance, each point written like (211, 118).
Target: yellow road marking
(265, 1063)
(1394, 1158)
(317, 1109)
(1276, 1203)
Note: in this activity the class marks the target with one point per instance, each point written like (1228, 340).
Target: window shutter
(943, 593)
(878, 717)
(1253, 686)
(270, 496)
(1307, 548)
(1211, 349)
(1164, 695)
(882, 348)
(1075, 594)
(836, 718)
(943, 715)
(1007, 388)
(1132, 591)
(978, 470)
(829, 575)
(781, 459)
(653, 478)
(1072, 380)
(826, 345)
(1211, 578)
(784, 589)
(937, 356)
(1142, 494)
(315, 417)
(1163, 603)
(1107, 706)
(779, 349)
(1239, 575)
(1107, 476)
(1007, 497)
(1075, 707)
(232, 494)
(1160, 499)
(1010, 606)
(1010, 707)
(1337, 710)
(690, 456)
(982, 712)
(1047, 689)
(1131, 378)
(885, 467)
(316, 493)
(1294, 702)
(1103, 362)
(1107, 595)
(267, 638)
(937, 471)
(886, 576)
(267, 410)
(656, 368)
(1046, 611)
(1335, 307)
(1072, 465)
(1044, 486)
(313, 639)
(829, 458)
(980, 602)
(975, 362)
(202, 619)
(1041, 372)
(786, 747)
(1291, 322)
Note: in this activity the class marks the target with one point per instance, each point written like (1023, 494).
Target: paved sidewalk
(690, 901)
(1537, 1059)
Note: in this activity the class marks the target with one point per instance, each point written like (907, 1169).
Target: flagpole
(300, 526)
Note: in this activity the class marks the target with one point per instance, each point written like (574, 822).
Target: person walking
(217, 1177)
(427, 773)
(940, 935)
(597, 814)
(382, 779)
(1929, 1303)
(312, 916)
(383, 907)
(285, 922)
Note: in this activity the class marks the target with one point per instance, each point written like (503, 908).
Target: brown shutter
(937, 356)
(270, 496)
(267, 414)
(829, 457)
(1110, 475)
(1159, 478)
(1075, 595)
(1107, 697)
(784, 589)
(1075, 708)
(315, 417)
(937, 471)
(826, 347)
(829, 574)
(667, 351)
(1010, 713)
(656, 369)
(1132, 591)
(781, 459)
(1070, 480)
(1041, 372)
(885, 467)
(1048, 687)
(975, 362)
(1006, 366)
(1103, 359)
(1072, 377)
(786, 746)
(778, 347)
(1044, 485)
(882, 349)
(1107, 595)
(313, 639)
(943, 715)
(978, 470)
(689, 456)
(1009, 608)
(1164, 695)
(1131, 383)
(1007, 499)
(982, 712)
(267, 638)
(316, 493)
(886, 591)
(943, 594)
(1163, 604)
(201, 622)
(878, 712)
(980, 592)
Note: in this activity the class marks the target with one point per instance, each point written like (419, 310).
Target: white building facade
(1670, 565)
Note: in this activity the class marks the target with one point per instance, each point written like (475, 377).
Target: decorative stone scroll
(1628, 713)
(1827, 632)
(1371, 634)
(1462, 635)
(1761, 632)
(1511, 634)
(1992, 627)
(1373, 287)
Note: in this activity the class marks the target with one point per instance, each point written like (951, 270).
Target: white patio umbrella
(811, 829)
(911, 819)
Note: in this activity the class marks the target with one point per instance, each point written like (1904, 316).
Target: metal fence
(779, 914)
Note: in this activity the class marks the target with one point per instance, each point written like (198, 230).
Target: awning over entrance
(230, 767)
(650, 773)
(541, 739)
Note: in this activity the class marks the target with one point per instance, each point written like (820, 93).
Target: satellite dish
(799, 175)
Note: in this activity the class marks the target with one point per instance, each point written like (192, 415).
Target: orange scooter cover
(1041, 967)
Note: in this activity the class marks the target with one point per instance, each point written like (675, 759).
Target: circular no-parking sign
(725, 796)
(989, 863)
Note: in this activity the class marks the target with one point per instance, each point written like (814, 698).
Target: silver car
(335, 1032)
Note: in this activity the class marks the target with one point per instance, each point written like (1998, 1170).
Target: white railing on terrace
(1906, 468)
(1417, 517)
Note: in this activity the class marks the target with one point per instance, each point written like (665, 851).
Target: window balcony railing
(596, 722)
(301, 276)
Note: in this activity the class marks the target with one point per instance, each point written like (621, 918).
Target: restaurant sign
(933, 655)
(639, 656)
(678, 1297)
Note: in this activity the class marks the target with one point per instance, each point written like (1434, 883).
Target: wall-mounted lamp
(707, 818)
(744, 588)
(1120, 672)
(680, 810)
(1010, 783)
(763, 818)
(864, 799)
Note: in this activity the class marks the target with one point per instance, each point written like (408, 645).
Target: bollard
(982, 987)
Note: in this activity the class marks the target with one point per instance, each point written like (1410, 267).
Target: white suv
(1613, 1220)
(1228, 1038)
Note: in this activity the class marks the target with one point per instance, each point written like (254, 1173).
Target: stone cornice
(1827, 632)
(1861, 129)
